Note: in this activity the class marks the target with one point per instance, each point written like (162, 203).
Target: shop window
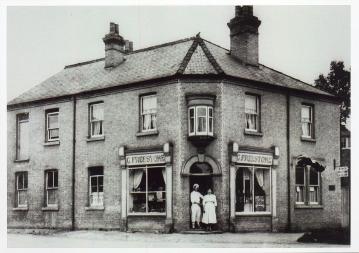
(147, 190)
(96, 118)
(200, 120)
(148, 106)
(253, 186)
(96, 186)
(307, 121)
(22, 136)
(52, 125)
(21, 189)
(307, 185)
(252, 111)
(51, 187)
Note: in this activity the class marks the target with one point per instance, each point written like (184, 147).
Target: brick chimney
(244, 35)
(114, 47)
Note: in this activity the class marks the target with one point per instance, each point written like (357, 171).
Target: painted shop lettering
(255, 159)
(145, 159)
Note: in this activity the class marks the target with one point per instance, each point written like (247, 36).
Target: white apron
(209, 204)
(195, 207)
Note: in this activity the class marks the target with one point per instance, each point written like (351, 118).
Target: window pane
(53, 134)
(250, 104)
(299, 175)
(100, 183)
(210, 127)
(299, 190)
(313, 177)
(201, 112)
(53, 121)
(149, 104)
(56, 184)
(251, 121)
(97, 128)
(97, 112)
(306, 131)
(261, 190)
(306, 114)
(22, 197)
(20, 181)
(23, 142)
(50, 179)
(244, 197)
(93, 184)
(51, 196)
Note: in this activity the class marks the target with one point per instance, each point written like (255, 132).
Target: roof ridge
(210, 57)
(161, 45)
(83, 63)
(187, 57)
(216, 44)
(313, 86)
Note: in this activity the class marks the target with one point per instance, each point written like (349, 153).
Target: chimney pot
(114, 47)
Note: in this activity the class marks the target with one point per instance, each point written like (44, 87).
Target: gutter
(288, 164)
(73, 161)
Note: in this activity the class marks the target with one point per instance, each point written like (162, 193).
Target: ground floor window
(253, 186)
(21, 189)
(307, 185)
(96, 186)
(147, 189)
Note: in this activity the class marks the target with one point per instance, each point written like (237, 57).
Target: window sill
(147, 214)
(303, 206)
(253, 214)
(21, 160)
(50, 208)
(94, 208)
(52, 143)
(253, 133)
(154, 132)
(22, 208)
(99, 138)
(307, 139)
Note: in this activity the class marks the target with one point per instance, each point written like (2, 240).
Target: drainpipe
(73, 160)
(288, 163)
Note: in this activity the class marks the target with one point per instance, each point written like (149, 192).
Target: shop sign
(342, 171)
(258, 159)
(143, 159)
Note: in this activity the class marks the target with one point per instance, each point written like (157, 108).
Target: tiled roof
(188, 56)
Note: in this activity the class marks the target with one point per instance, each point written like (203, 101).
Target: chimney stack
(114, 47)
(244, 35)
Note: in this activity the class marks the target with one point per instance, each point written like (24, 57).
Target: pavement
(116, 239)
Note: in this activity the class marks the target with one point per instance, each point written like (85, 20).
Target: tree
(337, 82)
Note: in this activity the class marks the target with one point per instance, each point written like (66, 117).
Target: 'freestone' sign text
(258, 159)
(143, 159)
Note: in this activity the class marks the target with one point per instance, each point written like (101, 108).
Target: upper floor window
(252, 111)
(307, 185)
(96, 119)
(52, 125)
(51, 187)
(96, 186)
(345, 143)
(21, 189)
(22, 136)
(307, 121)
(148, 112)
(200, 120)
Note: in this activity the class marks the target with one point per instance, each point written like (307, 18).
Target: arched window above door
(207, 166)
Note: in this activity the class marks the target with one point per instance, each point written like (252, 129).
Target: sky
(300, 41)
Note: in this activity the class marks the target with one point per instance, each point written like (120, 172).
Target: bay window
(21, 189)
(147, 189)
(96, 186)
(307, 185)
(148, 113)
(251, 108)
(253, 189)
(96, 117)
(200, 119)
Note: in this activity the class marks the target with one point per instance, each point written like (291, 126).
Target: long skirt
(196, 213)
(209, 215)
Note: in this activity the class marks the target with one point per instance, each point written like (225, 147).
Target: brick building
(118, 142)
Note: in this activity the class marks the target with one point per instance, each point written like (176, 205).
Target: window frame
(90, 121)
(18, 137)
(195, 108)
(52, 188)
(90, 176)
(25, 188)
(347, 143)
(141, 114)
(253, 168)
(146, 168)
(258, 112)
(311, 121)
(307, 186)
(48, 113)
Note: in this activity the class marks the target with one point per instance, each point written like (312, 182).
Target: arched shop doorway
(201, 174)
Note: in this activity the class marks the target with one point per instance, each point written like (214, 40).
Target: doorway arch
(216, 169)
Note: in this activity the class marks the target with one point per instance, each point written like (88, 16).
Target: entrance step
(201, 232)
